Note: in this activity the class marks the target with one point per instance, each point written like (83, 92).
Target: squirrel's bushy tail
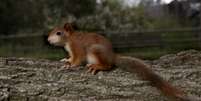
(138, 66)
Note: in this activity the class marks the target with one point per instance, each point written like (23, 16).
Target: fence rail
(177, 30)
(135, 39)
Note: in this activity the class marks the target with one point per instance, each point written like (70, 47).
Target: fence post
(199, 33)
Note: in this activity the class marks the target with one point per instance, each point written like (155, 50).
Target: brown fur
(138, 66)
(97, 51)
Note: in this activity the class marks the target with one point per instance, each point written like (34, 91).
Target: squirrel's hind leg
(98, 60)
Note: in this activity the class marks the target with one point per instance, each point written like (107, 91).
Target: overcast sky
(131, 2)
(167, 1)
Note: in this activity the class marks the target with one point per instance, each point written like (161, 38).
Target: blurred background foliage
(40, 16)
(31, 15)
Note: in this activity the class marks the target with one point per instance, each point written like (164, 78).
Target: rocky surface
(25, 79)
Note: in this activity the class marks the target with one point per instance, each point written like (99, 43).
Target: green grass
(59, 53)
(37, 47)
(48, 53)
(148, 53)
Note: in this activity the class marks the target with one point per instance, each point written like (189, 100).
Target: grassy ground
(37, 47)
(58, 53)
(151, 53)
(33, 53)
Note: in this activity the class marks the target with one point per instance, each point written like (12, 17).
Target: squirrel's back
(89, 39)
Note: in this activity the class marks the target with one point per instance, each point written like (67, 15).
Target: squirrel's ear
(68, 27)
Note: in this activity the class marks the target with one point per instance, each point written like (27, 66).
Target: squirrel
(97, 52)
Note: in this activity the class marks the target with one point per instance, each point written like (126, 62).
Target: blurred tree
(147, 2)
(57, 11)
(21, 14)
(7, 19)
(33, 15)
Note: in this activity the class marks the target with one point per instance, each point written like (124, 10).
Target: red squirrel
(97, 51)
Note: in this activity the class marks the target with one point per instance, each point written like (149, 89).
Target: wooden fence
(127, 39)
(155, 38)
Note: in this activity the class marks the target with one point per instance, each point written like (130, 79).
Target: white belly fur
(91, 59)
(68, 49)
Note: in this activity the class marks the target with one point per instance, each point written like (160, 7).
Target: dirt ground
(26, 79)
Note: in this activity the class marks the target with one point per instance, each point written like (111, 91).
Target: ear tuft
(68, 27)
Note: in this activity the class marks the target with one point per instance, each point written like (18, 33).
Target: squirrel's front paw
(64, 60)
(67, 65)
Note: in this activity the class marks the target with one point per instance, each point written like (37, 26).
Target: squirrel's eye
(58, 33)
